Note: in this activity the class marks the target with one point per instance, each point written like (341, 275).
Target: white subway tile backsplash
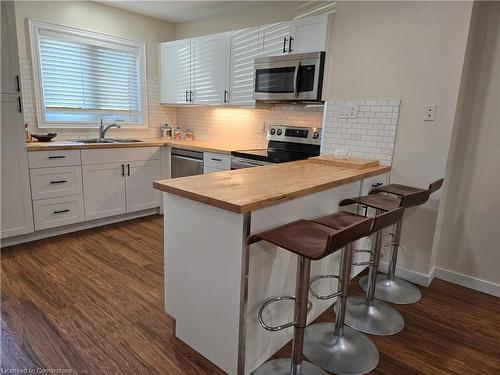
(370, 135)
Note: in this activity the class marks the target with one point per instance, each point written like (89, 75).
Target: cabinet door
(17, 216)
(209, 67)
(275, 38)
(139, 185)
(309, 34)
(104, 190)
(244, 46)
(175, 71)
(9, 57)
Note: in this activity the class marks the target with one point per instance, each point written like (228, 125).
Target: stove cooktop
(270, 155)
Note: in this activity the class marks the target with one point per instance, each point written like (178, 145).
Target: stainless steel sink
(125, 140)
(108, 140)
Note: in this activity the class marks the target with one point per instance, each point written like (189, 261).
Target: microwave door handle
(296, 80)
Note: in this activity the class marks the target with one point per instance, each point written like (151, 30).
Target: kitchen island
(213, 284)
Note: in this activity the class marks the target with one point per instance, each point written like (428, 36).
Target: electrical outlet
(430, 112)
(349, 110)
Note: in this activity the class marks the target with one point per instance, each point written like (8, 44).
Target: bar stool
(388, 287)
(367, 314)
(310, 241)
(336, 347)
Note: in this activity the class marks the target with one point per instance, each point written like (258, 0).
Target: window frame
(36, 26)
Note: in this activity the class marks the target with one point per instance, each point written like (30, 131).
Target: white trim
(35, 26)
(410, 275)
(38, 235)
(468, 281)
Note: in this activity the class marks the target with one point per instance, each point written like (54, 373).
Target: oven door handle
(296, 80)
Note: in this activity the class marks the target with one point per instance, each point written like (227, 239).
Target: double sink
(108, 140)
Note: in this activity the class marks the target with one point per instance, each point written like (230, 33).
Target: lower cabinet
(104, 189)
(55, 212)
(117, 188)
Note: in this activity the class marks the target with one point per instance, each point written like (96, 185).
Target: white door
(275, 38)
(104, 190)
(244, 46)
(309, 34)
(209, 69)
(9, 57)
(139, 185)
(17, 215)
(175, 71)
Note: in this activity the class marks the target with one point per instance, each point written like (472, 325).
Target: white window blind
(84, 79)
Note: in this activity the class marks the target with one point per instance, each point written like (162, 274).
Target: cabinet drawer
(55, 182)
(219, 161)
(42, 159)
(117, 155)
(54, 212)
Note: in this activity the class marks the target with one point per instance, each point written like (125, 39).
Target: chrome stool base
(378, 319)
(282, 366)
(351, 354)
(398, 291)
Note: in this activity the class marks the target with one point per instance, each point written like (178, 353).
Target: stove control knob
(315, 135)
(279, 132)
(272, 131)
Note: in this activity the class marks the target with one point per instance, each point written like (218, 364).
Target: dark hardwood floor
(92, 303)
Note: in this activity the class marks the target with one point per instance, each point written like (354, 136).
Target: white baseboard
(410, 275)
(468, 281)
(38, 235)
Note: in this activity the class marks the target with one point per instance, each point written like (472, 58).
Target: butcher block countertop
(218, 147)
(245, 190)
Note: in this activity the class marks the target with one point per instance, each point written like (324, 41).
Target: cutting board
(352, 162)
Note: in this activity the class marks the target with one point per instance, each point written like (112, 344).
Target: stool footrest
(320, 277)
(367, 263)
(274, 300)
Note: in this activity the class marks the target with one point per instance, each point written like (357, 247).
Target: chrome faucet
(103, 129)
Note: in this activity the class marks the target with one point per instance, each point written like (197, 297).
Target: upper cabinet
(208, 69)
(219, 69)
(175, 72)
(244, 46)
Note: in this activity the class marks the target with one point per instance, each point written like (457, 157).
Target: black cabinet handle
(128, 169)
(187, 96)
(20, 105)
(290, 44)
(215, 159)
(58, 182)
(57, 156)
(61, 211)
(284, 44)
(123, 169)
(18, 84)
(225, 96)
(190, 96)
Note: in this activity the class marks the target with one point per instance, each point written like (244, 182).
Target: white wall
(413, 51)
(468, 244)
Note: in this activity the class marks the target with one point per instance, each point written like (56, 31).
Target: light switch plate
(349, 110)
(430, 112)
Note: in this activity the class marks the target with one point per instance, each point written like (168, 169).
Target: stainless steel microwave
(296, 77)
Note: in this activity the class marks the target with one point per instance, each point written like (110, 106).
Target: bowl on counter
(44, 137)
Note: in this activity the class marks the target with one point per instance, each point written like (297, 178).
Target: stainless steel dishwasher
(186, 163)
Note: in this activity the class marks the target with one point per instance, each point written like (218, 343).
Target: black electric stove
(285, 143)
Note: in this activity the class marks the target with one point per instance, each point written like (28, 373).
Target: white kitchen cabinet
(104, 190)
(56, 212)
(55, 182)
(222, 162)
(175, 72)
(309, 34)
(275, 38)
(244, 46)
(140, 194)
(209, 69)
(16, 215)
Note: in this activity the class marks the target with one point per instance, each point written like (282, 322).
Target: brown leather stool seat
(313, 240)
(380, 201)
(339, 220)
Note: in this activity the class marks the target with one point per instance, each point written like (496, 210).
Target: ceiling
(180, 11)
